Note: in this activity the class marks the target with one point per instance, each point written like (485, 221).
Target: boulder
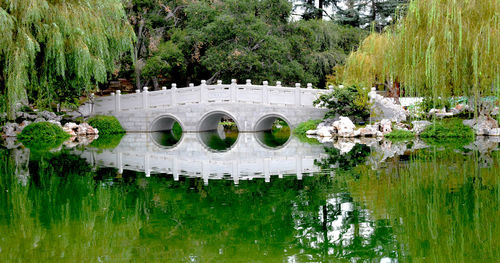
(386, 108)
(10, 129)
(311, 132)
(482, 125)
(419, 126)
(385, 126)
(324, 131)
(494, 132)
(345, 127)
(49, 116)
(368, 131)
(344, 145)
(58, 123)
(89, 130)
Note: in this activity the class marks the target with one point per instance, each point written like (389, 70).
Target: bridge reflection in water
(247, 158)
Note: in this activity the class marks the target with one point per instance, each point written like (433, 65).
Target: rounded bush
(42, 136)
(106, 124)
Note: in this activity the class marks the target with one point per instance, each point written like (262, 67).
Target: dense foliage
(303, 127)
(106, 124)
(42, 136)
(440, 49)
(351, 101)
(54, 51)
(179, 41)
(400, 135)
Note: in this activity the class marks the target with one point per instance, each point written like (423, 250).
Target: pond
(250, 197)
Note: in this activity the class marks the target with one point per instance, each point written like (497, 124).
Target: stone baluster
(119, 162)
(118, 100)
(173, 94)
(147, 170)
(298, 162)
(191, 85)
(163, 88)
(113, 96)
(145, 95)
(297, 94)
(265, 92)
(309, 85)
(278, 84)
(234, 91)
(249, 82)
(203, 92)
(219, 82)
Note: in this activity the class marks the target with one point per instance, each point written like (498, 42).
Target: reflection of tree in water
(345, 161)
(333, 227)
(216, 143)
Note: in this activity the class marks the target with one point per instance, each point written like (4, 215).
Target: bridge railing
(202, 94)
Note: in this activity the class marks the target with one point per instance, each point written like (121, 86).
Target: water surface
(348, 200)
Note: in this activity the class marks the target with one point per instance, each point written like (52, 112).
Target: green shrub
(42, 136)
(448, 128)
(448, 132)
(107, 141)
(349, 101)
(400, 134)
(106, 124)
(303, 127)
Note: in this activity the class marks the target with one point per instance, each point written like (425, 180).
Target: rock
(419, 126)
(39, 120)
(482, 125)
(385, 126)
(325, 123)
(368, 131)
(494, 132)
(58, 123)
(324, 132)
(379, 134)
(89, 130)
(458, 109)
(47, 115)
(10, 129)
(71, 128)
(345, 127)
(386, 108)
(311, 132)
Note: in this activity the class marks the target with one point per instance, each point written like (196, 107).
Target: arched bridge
(200, 108)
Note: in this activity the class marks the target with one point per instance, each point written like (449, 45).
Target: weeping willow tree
(441, 48)
(55, 50)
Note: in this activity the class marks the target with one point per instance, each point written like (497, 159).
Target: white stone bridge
(200, 108)
(247, 159)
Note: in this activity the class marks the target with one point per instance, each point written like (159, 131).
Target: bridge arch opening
(218, 131)
(166, 131)
(273, 131)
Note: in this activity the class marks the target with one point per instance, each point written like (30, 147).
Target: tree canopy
(234, 39)
(53, 50)
(441, 48)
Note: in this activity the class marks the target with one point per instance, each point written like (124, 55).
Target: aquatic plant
(448, 132)
(106, 124)
(303, 127)
(42, 136)
(400, 134)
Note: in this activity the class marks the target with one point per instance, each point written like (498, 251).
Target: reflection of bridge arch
(247, 160)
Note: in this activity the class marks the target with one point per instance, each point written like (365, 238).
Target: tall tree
(441, 48)
(53, 49)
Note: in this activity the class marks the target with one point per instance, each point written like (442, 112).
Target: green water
(427, 205)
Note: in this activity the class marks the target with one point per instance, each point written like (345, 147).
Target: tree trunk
(320, 9)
